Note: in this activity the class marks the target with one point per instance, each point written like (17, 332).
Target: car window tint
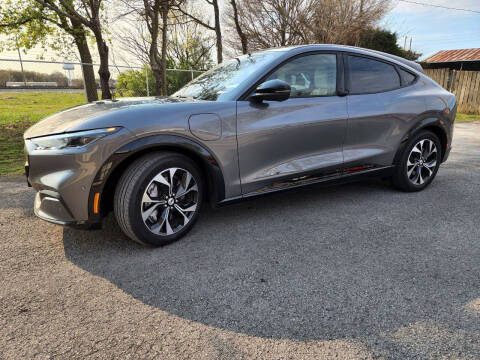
(407, 78)
(370, 76)
(311, 75)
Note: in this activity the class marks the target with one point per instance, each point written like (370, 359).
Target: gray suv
(259, 123)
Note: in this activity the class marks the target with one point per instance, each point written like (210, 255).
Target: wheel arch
(433, 124)
(108, 175)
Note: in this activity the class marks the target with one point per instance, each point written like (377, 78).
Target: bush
(133, 83)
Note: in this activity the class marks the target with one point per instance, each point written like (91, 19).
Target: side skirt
(385, 171)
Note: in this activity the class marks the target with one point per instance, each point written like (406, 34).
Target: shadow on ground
(358, 260)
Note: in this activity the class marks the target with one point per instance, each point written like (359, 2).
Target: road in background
(41, 90)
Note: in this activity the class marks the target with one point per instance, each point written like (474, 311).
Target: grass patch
(462, 118)
(19, 111)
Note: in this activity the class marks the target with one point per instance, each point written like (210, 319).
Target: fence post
(191, 72)
(146, 80)
(454, 79)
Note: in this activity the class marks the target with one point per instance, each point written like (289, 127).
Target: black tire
(400, 178)
(128, 205)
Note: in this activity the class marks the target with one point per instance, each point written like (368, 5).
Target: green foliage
(26, 24)
(133, 82)
(386, 41)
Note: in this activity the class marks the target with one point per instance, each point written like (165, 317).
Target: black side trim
(334, 180)
(209, 164)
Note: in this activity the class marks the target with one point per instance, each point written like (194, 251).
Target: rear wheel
(158, 198)
(419, 162)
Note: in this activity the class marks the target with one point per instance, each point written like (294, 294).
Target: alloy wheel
(422, 161)
(169, 201)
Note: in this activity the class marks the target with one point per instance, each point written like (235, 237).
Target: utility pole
(410, 48)
(405, 43)
(21, 64)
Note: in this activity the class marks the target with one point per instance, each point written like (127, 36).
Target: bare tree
(154, 16)
(267, 23)
(189, 47)
(80, 37)
(89, 14)
(133, 39)
(273, 23)
(342, 21)
(215, 27)
(234, 15)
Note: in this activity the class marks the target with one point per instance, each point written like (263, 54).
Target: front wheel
(158, 198)
(418, 163)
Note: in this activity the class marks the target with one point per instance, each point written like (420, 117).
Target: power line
(439, 6)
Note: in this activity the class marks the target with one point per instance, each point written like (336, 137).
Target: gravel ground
(358, 271)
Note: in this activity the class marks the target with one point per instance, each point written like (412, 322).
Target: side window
(370, 76)
(310, 75)
(407, 78)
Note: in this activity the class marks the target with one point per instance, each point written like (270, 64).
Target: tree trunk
(86, 58)
(103, 71)
(156, 71)
(163, 60)
(218, 31)
(151, 15)
(241, 34)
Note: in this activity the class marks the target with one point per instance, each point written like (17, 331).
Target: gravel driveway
(357, 271)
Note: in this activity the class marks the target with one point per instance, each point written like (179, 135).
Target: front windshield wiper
(186, 97)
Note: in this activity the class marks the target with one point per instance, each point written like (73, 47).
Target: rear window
(371, 76)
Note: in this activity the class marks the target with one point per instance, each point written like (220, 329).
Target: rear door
(382, 102)
(281, 144)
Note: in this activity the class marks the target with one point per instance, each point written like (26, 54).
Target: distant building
(463, 59)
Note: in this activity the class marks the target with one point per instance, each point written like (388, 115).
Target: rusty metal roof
(455, 55)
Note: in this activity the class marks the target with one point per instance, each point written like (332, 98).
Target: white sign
(68, 66)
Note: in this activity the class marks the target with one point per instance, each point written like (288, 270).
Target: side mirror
(272, 90)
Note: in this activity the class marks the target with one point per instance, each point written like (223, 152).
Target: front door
(281, 144)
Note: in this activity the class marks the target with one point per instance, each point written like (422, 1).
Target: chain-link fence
(41, 75)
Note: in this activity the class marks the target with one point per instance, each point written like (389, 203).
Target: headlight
(71, 140)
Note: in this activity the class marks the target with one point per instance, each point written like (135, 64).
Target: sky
(434, 29)
(431, 29)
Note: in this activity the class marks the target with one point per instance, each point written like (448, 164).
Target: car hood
(83, 117)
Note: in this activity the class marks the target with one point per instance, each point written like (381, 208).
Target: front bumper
(63, 180)
(51, 209)
(49, 206)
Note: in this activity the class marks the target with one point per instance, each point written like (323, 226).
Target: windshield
(217, 82)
